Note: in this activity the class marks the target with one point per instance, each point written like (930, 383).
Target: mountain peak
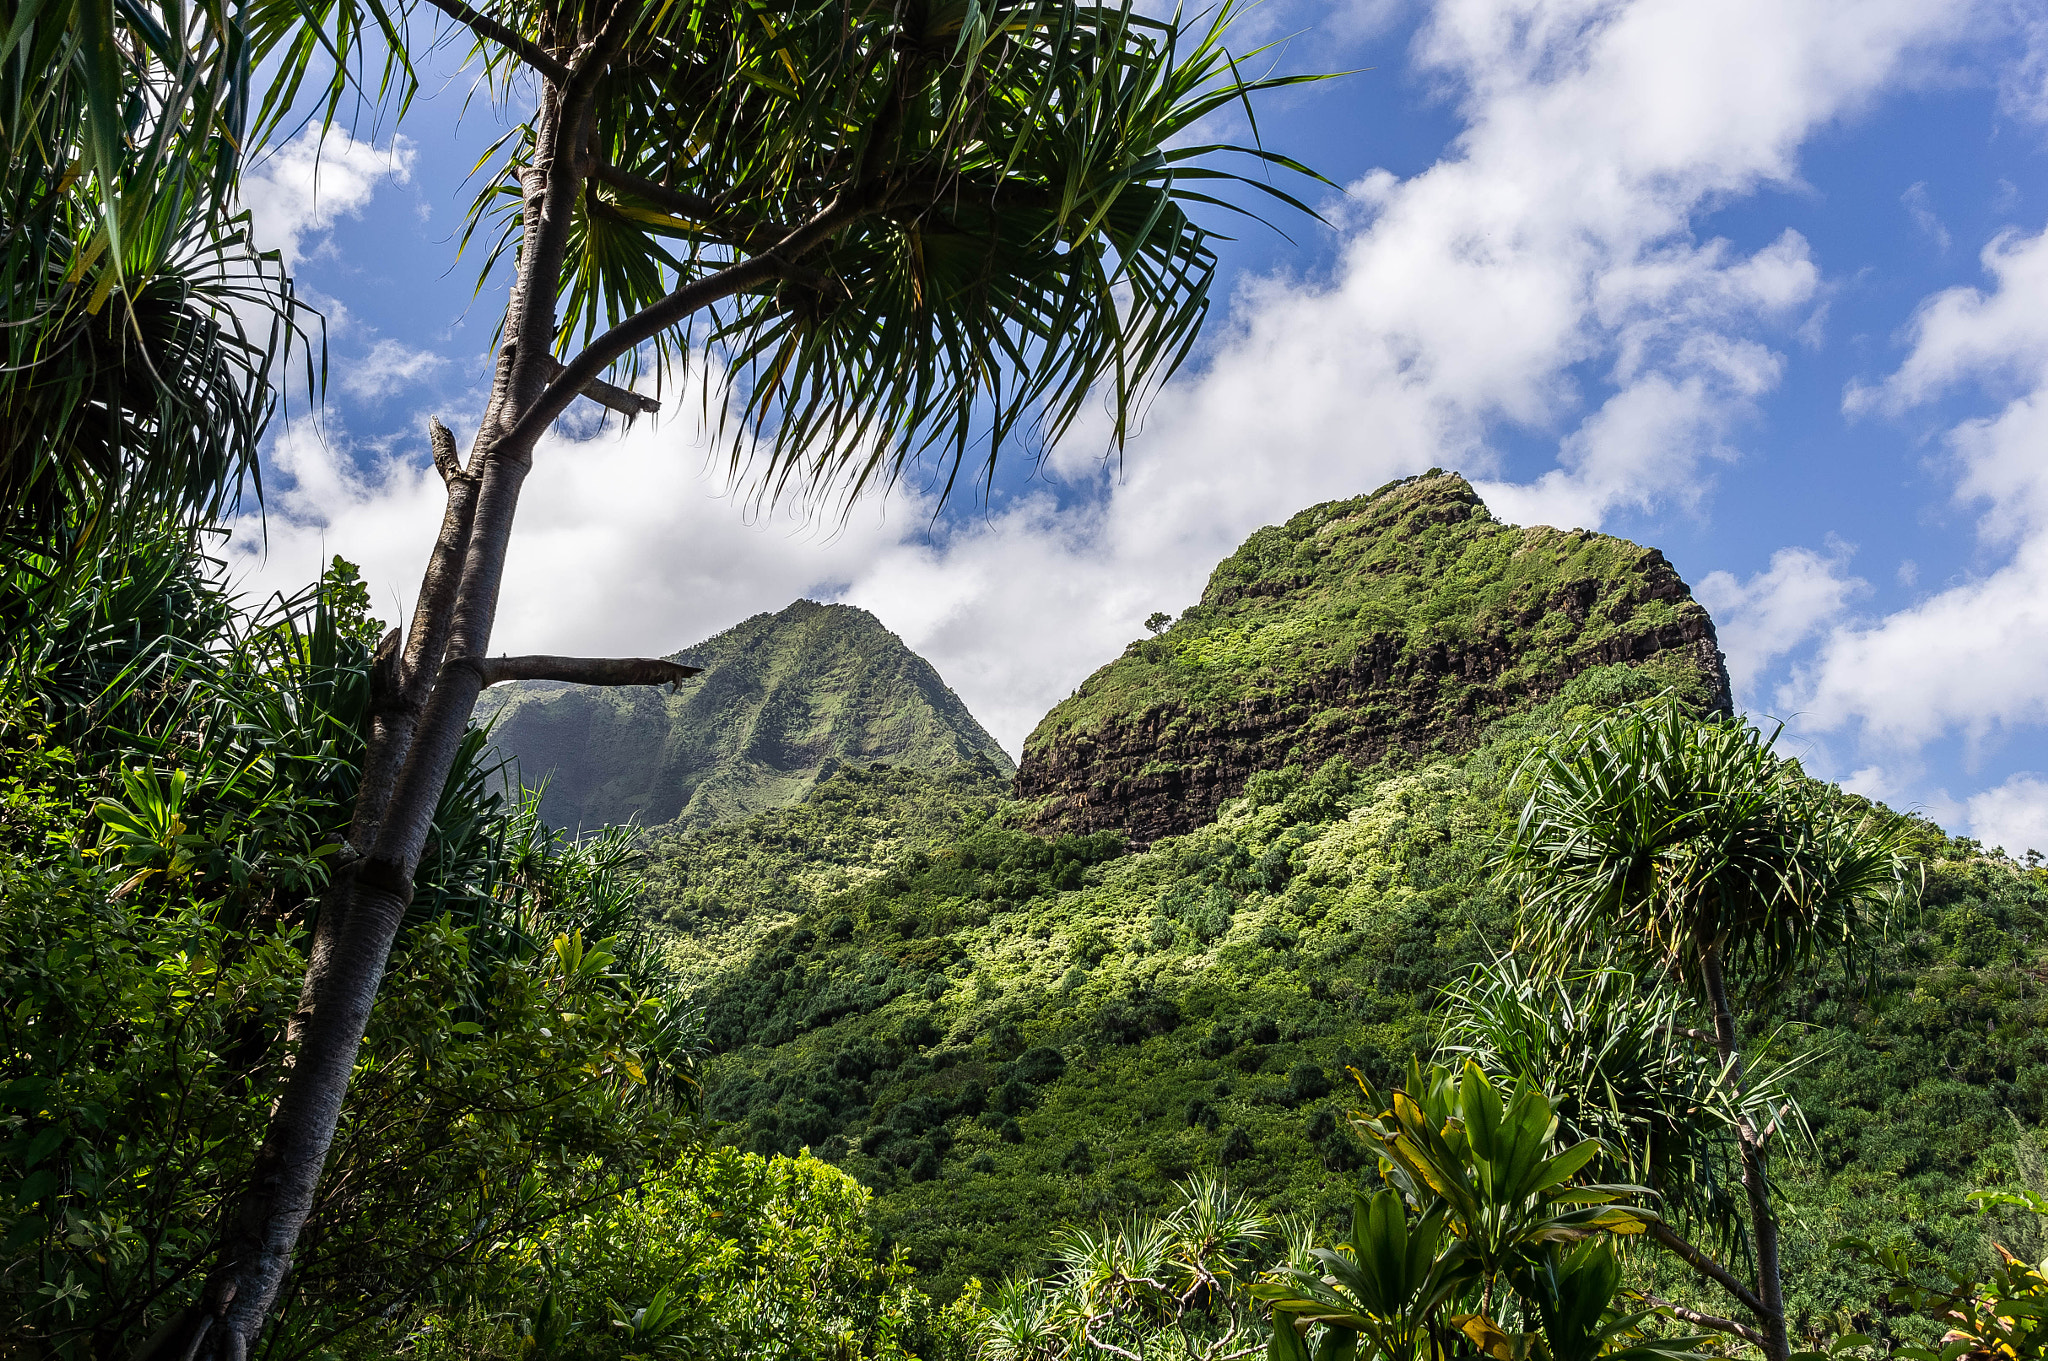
(784, 698)
(1403, 621)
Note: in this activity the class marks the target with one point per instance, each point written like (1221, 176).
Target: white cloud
(1543, 275)
(1920, 208)
(2023, 87)
(1776, 610)
(303, 187)
(388, 367)
(1965, 336)
(624, 545)
(2013, 815)
(1971, 658)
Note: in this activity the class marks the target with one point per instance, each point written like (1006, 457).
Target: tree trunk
(413, 746)
(427, 691)
(1770, 1289)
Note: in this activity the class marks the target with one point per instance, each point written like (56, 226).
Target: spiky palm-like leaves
(1689, 843)
(140, 326)
(1691, 840)
(1173, 1285)
(1620, 1055)
(1009, 219)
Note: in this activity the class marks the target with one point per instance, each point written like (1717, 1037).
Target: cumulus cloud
(624, 544)
(2012, 816)
(1969, 658)
(389, 367)
(1543, 277)
(304, 187)
(1776, 610)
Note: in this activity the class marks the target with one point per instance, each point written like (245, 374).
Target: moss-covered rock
(1397, 623)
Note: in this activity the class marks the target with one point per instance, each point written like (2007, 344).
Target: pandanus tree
(1689, 844)
(907, 230)
(141, 327)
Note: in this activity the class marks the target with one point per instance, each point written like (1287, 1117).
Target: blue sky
(1762, 284)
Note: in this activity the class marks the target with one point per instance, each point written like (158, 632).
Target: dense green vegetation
(1007, 1033)
(175, 774)
(784, 699)
(718, 890)
(1419, 563)
(932, 1048)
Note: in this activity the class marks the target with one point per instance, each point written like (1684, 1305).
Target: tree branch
(446, 461)
(579, 670)
(613, 397)
(432, 615)
(1707, 1266)
(532, 53)
(652, 320)
(1699, 1320)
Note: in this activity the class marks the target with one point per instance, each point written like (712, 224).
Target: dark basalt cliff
(1396, 623)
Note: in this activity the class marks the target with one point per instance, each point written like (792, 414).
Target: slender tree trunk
(1770, 1288)
(413, 746)
(426, 692)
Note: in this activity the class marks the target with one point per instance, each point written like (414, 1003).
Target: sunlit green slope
(1003, 1033)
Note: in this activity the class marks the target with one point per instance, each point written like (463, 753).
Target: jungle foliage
(176, 769)
(1385, 581)
(1002, 1034)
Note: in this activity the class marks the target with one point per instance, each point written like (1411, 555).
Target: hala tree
(1691, 845)
(138, 326)
(906, 230)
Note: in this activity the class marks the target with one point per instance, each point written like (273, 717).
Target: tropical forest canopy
(1402, 953)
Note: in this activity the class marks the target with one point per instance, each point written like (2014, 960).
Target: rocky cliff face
(1400, 622)
(784, 700)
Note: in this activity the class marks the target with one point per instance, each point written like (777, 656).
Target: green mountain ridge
(784, 699)
(1002, 1031)
(1394, 624)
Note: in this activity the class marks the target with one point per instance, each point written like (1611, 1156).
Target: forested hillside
(783, 698)
(1002, 1033)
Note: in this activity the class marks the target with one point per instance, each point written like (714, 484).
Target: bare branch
(1699, 1320)
(611, 396)
(1707, 1266)
(532, 53)
(433, 616)
(579, 670)
(446, 461)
